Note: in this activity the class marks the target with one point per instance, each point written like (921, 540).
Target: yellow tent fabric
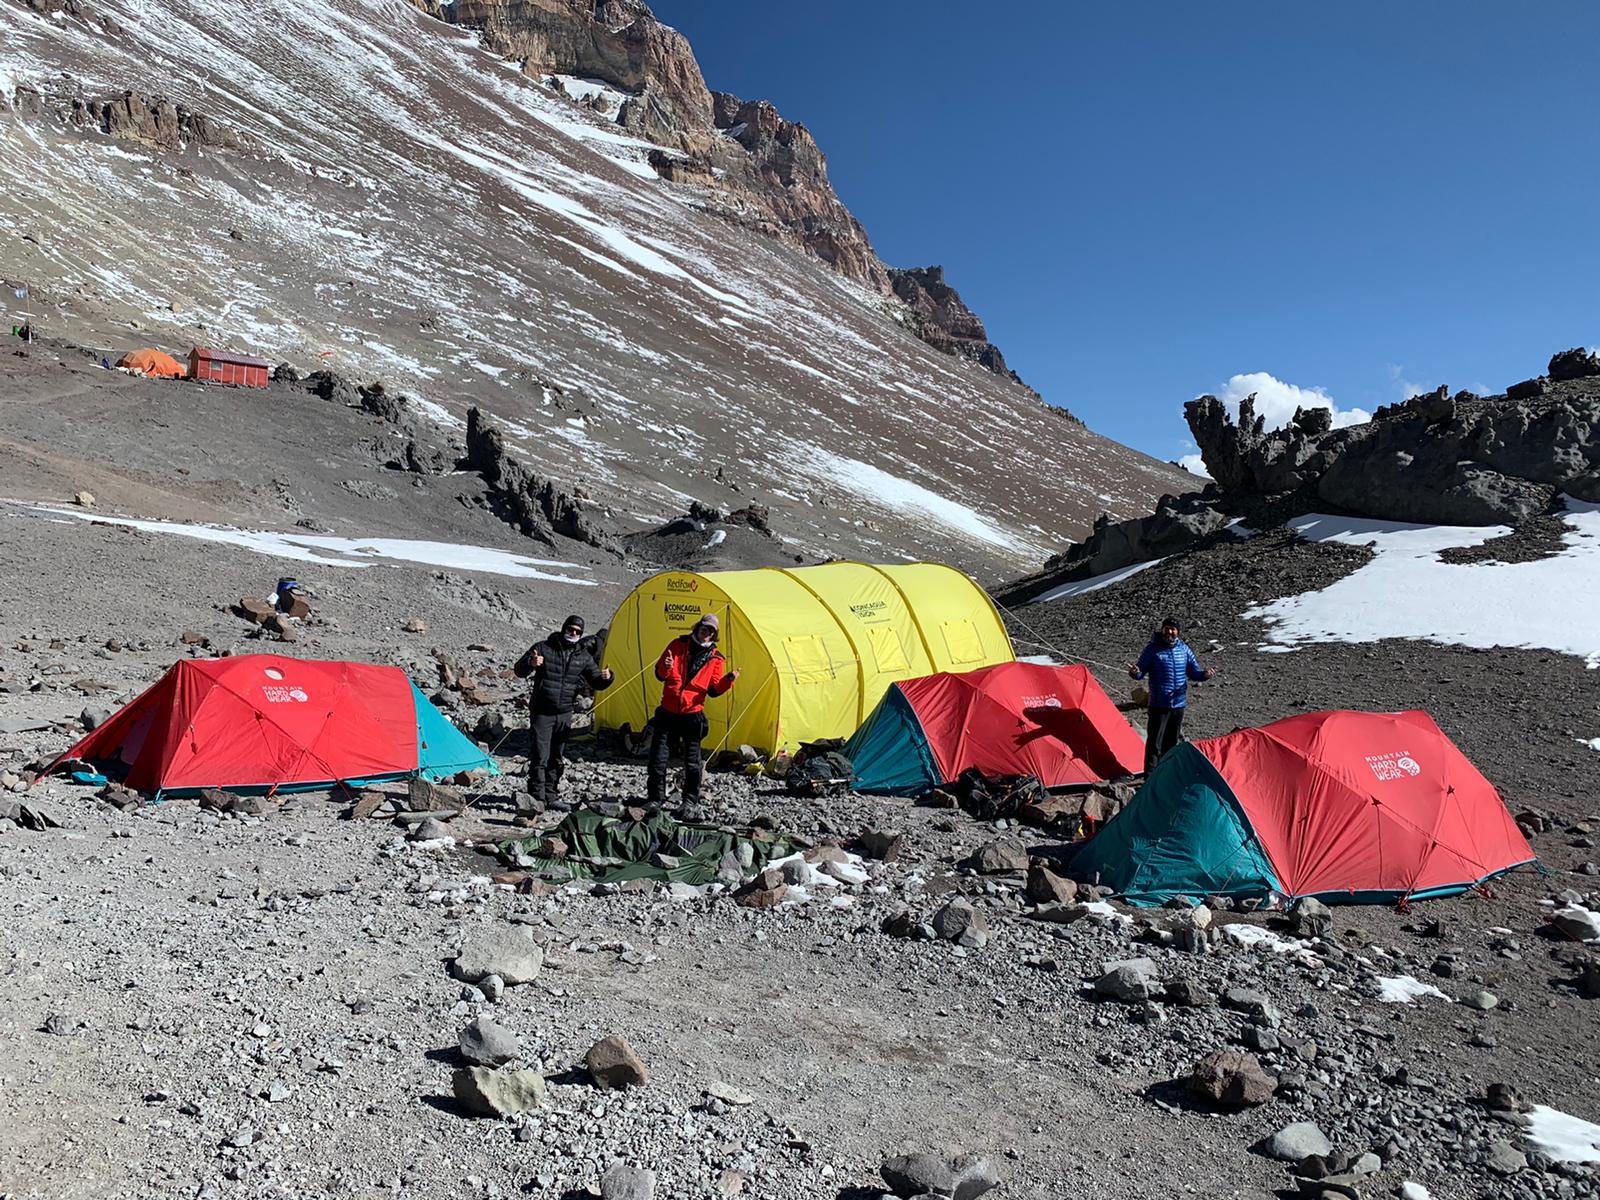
(817, 647)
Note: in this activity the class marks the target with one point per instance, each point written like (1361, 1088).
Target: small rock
(1505, 1159)
(511, 954)
(1310, 917)
(880, 844)
(622, 1182)
(1481, 1000)
(974, 1174)
(487, 1092)
(1575, 921)
(1000, 856)
(612, 1063)
(919, 1174)
(486, 1044)
(414, 625)
(962, 924)
(1046, 887)
(93, 718)
(1299, 1140)
(1130, 981)
(83, 499)
(1233, 1079)
(430, 830)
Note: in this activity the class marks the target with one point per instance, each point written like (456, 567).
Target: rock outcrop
(525, 499)
(154, 121)
(939, 317)
(746, 162)
(1437, 458)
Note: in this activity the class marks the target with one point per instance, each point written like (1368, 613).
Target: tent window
(808, 658)
(962, 640)
(887, 648)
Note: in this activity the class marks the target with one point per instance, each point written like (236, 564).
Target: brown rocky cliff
(941, 318)
(747, 163)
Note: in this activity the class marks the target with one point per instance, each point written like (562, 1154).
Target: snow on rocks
(1576, 922)
(1404, 989)
(1562, 1138)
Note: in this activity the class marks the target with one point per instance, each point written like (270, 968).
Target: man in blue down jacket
(1170, 665)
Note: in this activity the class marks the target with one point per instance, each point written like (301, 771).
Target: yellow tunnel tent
(817, 647)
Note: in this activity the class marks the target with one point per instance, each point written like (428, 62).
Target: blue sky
(1143, 201)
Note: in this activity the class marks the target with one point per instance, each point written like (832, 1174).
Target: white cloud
(1277, 400)
(1195, 464)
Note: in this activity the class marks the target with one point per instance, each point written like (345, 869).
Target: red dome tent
(1015, 718)
(1347, 806)
(264, 722)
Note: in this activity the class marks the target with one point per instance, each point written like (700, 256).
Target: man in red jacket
(691, 670)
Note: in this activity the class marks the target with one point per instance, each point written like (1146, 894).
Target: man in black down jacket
(559, 666)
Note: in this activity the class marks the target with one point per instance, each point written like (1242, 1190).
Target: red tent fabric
(1021, 718)
(1361, 802)
(261, 720)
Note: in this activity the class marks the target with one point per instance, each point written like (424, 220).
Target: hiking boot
(525, 820)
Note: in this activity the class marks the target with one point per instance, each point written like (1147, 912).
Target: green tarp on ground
(617, 849)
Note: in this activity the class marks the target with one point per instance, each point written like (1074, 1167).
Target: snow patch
(900, 495)
(1527, 604)
(1095, 582)
(1404, 989)
(1562, 1137)
(355, 553)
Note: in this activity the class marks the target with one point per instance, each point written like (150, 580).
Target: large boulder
(1574, 364)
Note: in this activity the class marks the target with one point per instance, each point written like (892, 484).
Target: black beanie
(574, 619)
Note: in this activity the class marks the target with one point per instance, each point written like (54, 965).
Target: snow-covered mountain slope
(356, 185)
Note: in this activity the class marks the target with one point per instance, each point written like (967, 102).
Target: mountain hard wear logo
(285, 695)
(1050, 701)
(1399, 765)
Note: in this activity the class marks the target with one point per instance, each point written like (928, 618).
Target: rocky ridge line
(1437, 458)
(749, 165)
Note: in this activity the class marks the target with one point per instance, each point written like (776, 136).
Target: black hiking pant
(547, 737)
(1165, 727)
(673, 734)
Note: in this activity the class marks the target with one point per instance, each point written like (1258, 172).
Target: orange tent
(152, 363)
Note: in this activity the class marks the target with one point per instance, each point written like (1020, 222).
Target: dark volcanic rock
(1460, 460)
(533, 504)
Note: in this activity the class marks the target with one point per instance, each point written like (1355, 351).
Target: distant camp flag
(263, 723)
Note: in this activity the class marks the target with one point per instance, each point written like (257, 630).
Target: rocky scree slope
(1437, 459)
(744, 161)
(358, 186)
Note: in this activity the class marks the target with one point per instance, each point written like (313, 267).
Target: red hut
(223, 366)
